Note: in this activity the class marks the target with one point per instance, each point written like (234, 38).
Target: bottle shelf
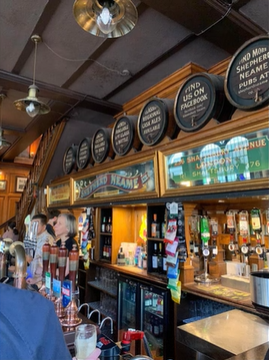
(99, 285)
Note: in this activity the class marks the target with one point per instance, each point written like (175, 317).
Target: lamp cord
(35, 62)
(123, 73)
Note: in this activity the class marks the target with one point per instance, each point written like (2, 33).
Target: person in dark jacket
(52, 220)
(29, 327)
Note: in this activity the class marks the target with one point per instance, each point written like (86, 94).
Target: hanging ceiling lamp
(106, 18)
(31, 104)
(3, 142)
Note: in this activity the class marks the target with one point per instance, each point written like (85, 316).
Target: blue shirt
(29, 327)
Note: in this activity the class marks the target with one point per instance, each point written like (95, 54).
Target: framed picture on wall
(3, 185)
(20, 183)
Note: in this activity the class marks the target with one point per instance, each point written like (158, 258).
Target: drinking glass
(85, 341)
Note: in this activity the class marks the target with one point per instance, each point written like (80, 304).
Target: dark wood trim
(20, 83)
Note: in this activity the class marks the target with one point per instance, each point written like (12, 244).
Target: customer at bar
(11, 233)
(36, 262)
(29, 327)
(66, 230)
(52, 220)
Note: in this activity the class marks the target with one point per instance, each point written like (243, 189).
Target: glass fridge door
(127, 310)
(152, 306)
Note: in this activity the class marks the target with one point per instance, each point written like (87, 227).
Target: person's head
(42, 222)
(66, 225)
(53, 216)
(12, 226)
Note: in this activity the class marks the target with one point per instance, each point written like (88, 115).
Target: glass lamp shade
(113, 19)
(31, 104)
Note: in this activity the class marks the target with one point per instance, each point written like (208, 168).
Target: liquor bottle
(103, 226)
(163, 227)
(145, 262)
(256, 225)
(121, 257)
(155, 227)
(104, 249)
(244, 230)
(91, 233)
(214, 234)
(156, 326)
(231, 226)
(205, 235)
(164, 261)
(155, 258)
(109, 249)
(109, 225)
(160, 259)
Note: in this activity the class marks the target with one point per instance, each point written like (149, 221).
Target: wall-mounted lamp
(31, 104)
(106, 18)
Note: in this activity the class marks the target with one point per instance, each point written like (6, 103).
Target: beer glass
(85, 341)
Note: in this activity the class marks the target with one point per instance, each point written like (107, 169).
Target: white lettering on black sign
(122, 136)
(83, 155)
(251, 72)
(69, 159)
(151, 124)
(247, 78)
(193, 102)
(99, 146)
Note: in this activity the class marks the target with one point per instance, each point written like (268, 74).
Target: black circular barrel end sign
(247, 77)
(195, 103)
(100, 145)
(84, 153)
(152, 122)
(123, 136)
(69, 159)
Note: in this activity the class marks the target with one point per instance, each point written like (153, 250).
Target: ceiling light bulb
(32, 109)
(104, 21)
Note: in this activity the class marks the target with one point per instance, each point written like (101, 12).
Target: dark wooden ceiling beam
(41, 25)
(52, 92)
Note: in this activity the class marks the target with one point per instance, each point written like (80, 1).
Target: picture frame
(20, 183)
(3, 185)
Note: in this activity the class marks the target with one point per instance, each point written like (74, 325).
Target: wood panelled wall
(9, 197)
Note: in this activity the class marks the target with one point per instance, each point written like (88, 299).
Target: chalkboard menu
(123, 134)
(152, 122)
(201, 98)
(84, 153)
(247, 80)
(101, 144)
(69, 160)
